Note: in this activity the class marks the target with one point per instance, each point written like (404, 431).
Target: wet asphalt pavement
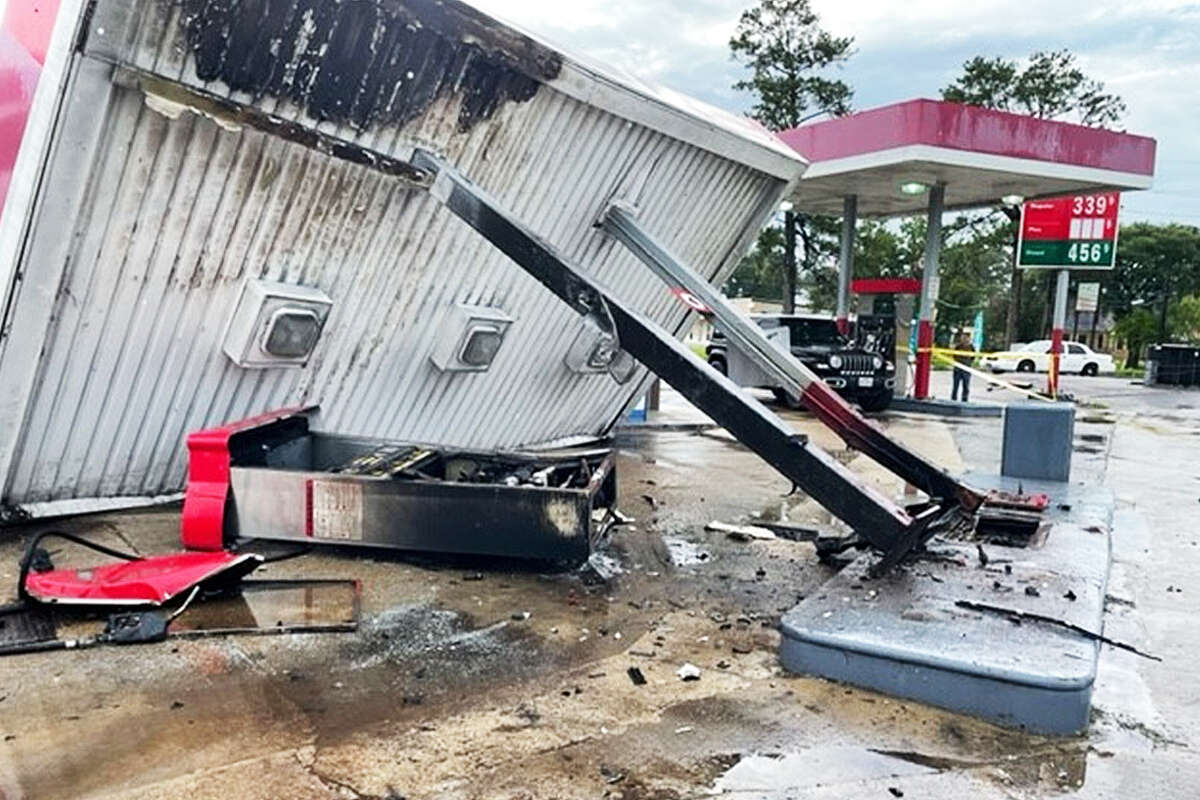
(478, 680)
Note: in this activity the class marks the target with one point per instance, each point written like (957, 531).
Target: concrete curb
(903, 634)
(946, 408)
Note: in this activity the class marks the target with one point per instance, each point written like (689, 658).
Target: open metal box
(274, 478)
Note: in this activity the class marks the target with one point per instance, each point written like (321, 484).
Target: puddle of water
(684, 553)
(267, 605)
(820, 766)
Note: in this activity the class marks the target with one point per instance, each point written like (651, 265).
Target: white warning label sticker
(336, 510)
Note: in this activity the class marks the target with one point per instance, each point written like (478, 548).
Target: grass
(1125, 372)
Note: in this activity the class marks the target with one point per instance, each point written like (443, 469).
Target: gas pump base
(904, 635)
(272, 478)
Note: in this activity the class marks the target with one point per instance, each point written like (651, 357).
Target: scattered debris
(741, 533)
(622, 519)
(684, 729)
(650, 501)
(895, 792)
(983, 556)
(793, 533)
(688, 672)
(1032, 591)
(1070, 595)
(636, 676)
(1017, 616)
(685, 553)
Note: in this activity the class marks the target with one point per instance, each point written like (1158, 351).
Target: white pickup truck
(1035, 357)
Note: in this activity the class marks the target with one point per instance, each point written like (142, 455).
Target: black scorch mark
(365, 62)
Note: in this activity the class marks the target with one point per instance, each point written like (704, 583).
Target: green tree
(1185, 319)
(820, 241)
(883, 252)
(760, 275)
(789, 57)
(1049, 86)
(783, 45)
(1136, 329)
(1156, 265)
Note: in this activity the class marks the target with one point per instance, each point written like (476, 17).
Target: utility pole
(1062, 288)
(789, 261)
(1012, 318)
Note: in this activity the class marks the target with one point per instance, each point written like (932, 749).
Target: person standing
(962, 378)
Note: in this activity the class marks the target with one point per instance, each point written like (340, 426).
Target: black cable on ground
(31, 552)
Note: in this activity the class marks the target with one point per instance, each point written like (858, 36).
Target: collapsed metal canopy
(176, 150)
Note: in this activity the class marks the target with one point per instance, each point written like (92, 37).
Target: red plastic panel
(150, 581)
(979, 130)
(885, 286)
(208, 480)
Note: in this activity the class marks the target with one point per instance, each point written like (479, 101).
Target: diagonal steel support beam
(620, 222)
(872, 516)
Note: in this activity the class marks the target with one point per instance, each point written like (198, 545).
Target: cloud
(1148, 52)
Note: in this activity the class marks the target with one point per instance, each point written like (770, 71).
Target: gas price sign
(1073, 232)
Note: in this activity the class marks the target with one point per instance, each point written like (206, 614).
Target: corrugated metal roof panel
(164, 213)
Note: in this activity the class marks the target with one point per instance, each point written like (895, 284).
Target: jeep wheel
(785, 399)
(1026, 366)
(718, 363)
(876, 401)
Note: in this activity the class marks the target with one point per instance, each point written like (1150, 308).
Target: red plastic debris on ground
(148, 581)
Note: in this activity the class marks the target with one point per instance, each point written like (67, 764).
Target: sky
(1147, 51)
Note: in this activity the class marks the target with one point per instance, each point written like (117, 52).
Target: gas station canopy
(888, 156)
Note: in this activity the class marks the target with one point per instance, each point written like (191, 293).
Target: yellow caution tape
(946, 351)
(992, 379)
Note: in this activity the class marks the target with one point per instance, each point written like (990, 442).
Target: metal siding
(178, 212)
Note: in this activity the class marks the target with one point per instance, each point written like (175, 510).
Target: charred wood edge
(455, 20)
(1018, 616)
(13, 515)
(235, 113)
(451, 19)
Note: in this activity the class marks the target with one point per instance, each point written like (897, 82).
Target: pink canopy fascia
(24, 38)
(981, 155)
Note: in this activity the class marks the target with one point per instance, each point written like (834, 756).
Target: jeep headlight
(878, 362)
(836, 362)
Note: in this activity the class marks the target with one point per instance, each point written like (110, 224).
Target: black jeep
(859, 375)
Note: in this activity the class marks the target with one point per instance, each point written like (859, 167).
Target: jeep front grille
(858, 365)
